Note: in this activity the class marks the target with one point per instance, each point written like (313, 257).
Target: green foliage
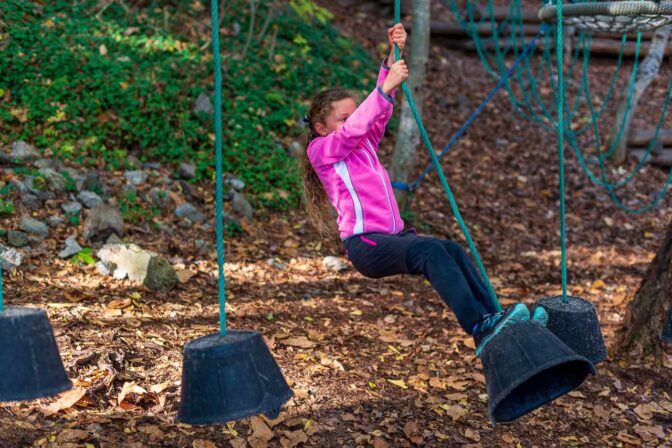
(40, 183)
(308, 10)
(91, 81)
(7, 207)
(83, 257)
(232, 228)
(70, 184)
(133, 211)
(72, 218)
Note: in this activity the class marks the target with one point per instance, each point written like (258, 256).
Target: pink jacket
(356, 183)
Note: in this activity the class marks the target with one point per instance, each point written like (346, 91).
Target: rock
(102, 222)
(43, 163)
(105, 268)
(200, 244)
(131, 261)
(55, 221)
(139, 265)
(160, 275)
(137, 177)
(133, 162)
(151, 166)
(32, 225)
(295, 149)
(72, 247)
(234, 183)
(129, 189)
(17, 239)
(159, 197)
(242, 206)
(165, 228)
(93, 183)
(55, 181)
(72, 207)
(34, 187)
(185, 188)
(31, 201)
(20, 154)
(114, 239)
(89, 199)
(334, 263)
(187, 170)
(19, 186)
(190, 212)
(10, 258)
(203, 104)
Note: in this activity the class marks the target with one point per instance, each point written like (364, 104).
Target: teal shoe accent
(540, 315)
(493, 324)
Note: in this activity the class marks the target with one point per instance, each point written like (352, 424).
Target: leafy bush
(94, 82)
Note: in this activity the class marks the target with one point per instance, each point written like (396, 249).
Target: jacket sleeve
(378, 129)
(339, 144)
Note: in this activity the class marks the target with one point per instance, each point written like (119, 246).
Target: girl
(341, 166)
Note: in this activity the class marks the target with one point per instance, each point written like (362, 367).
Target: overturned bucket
(667, 330)
(30, 365)
(576, 323)
(526, 366)
(229, 378)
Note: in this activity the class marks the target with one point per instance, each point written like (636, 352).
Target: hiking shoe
(491, 324)
(540, 315)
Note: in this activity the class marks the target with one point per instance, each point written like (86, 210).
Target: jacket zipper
(387, 194)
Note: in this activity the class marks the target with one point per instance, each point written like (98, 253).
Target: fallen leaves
(261, 433)
(398, 383)
(644, 411)
(412, 432)
(65, 401)
(300, 341)
(129, 388)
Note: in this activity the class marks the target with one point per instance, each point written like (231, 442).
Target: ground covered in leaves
(372, 363)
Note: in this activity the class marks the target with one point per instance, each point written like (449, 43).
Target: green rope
(439, 170)
(214, 5)
(560, 109)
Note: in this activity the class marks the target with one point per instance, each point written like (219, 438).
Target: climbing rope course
(530, 81)
(554, 92)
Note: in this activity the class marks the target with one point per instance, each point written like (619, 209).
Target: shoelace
(490, 320)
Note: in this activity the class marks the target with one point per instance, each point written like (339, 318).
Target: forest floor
(371, 362)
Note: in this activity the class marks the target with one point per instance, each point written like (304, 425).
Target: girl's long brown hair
(317, 204)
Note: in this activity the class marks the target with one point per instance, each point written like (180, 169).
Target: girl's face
(340, 111)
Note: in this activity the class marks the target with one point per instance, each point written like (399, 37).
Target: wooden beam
(642, 137)
(663, 159)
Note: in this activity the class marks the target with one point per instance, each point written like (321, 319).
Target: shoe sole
(519, 314)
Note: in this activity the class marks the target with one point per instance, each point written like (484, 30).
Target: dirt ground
(371, 362)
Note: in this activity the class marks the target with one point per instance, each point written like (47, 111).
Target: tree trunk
(408, 137)
(649, 313)
(646, 73)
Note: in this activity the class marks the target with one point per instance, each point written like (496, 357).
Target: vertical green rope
(214, 5)
(439, 170)
(560, 109)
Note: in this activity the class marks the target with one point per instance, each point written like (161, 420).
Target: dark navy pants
(444, 264)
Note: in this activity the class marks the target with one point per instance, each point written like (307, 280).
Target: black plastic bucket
(576, 323)
(229, 378)
(30, 365)
(526, 366)
(667, 329)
